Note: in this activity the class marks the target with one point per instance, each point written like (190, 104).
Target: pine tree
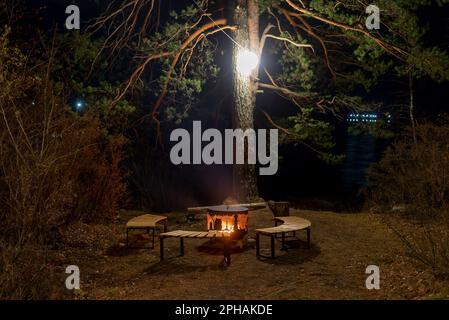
(322, 58)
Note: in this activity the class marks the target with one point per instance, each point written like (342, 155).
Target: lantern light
(247, 61)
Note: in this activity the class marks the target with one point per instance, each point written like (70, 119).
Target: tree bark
(246, 18)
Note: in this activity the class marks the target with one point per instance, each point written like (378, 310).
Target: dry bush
(56, 167)
(98, 188)
(25, 272)
(410, 187)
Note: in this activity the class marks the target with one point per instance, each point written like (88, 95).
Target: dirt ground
(343, 245)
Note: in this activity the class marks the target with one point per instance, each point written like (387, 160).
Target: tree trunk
(246, 18)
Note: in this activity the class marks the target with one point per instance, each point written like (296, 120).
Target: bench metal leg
(181, 242)
(283, 242)
(148, 233)
(272, 243)
(226, 251)
(154, 230)
(272, 246)
(257, 245)
(161, 242)
(276, 223)
(126, 237)
(308, 238)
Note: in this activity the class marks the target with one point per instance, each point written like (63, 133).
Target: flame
(227, 228)
(227, 222)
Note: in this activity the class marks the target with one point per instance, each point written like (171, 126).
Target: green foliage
(80, 71)
(113, 116)
(299, 66)
(312, 133)
(195, 68)
(358, 60)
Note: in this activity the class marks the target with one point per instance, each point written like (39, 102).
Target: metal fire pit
(231, 219)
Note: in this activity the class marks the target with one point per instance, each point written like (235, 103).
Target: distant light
(79, 105)
(247, 61)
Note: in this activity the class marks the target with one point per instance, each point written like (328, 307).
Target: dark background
(308, 181)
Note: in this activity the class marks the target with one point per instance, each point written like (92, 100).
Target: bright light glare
(247, 61)
(79, 105)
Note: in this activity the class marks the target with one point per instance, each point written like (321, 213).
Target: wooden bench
(147, 222)
(289, 224)
(181, 234)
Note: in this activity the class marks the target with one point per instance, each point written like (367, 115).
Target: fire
(227, 223)
(227, 228)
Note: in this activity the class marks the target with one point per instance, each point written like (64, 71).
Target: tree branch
(393, 50)
(299, 45)
(184, 45)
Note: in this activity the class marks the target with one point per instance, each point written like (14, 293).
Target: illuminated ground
(343, 245)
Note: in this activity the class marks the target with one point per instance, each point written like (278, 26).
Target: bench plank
(215, 234)
(145, 221)
(280, 229)
(290, 224)
(292, 220)
(195, 235)
(185, 234)
(202, 235)
(174, 233)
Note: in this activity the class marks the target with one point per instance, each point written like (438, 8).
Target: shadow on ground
(174, 265)
(296, 253)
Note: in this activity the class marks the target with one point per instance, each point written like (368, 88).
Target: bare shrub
(410, 187)
(99, 188)
(56, 167)
(24, 272)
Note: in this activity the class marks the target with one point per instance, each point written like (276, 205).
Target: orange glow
(227, 222)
